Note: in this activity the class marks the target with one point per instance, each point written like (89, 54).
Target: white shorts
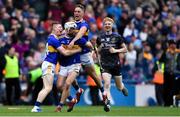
(86, 59)
(64, 71)
(47, 68)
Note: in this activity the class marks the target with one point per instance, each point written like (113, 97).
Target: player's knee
(67, 85)
(107, 85)
(60, 87)
(48, 89)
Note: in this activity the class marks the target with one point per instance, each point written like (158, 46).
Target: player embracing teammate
(109, 46)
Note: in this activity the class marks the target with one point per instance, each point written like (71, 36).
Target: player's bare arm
(121, 50)
(81, 32)
(89, 45)
(66, 52)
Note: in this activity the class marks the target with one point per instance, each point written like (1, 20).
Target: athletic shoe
(107, 106)
(78, 94)
(71, 104)
(58, 109)
(36, 109)
(125, 91)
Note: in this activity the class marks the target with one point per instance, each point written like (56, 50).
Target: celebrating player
(70, 65)
(86, 58)
(53, 46)
(110, 44)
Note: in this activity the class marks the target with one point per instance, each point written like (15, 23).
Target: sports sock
(102, 89)
(37, 103)
(76, 87)
(70, 98)
(60, 104)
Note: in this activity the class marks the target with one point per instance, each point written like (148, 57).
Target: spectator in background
(169, 58)
(94, 91)
(146, 61)
(124, 21)
(2, 53)
(55, 11)
(173, 33)
(138, 19)
(93, 30)
(39, 54)
(12, 76)
(130, 32)
(131, 56)
(115, 11)
(99, 20)
(158, 79)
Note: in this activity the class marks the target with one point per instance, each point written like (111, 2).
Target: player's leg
(47, 87)
(61, 80)
(120, 85)
(75, 68)
(48, 78)
(66, 90)
(88, 63)
(60, 83)
(90, 70)
(107, 85)
(78, 89)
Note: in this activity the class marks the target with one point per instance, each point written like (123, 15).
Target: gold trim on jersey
(86, 33)
(73, 47)
(51, 49)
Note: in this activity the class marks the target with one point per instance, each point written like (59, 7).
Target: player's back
(51, 49)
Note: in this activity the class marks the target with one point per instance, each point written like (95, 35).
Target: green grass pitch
(90, 111)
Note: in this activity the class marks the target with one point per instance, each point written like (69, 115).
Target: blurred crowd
(146, 25)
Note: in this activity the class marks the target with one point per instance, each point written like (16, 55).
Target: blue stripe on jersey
(51, 49)
(79, 25)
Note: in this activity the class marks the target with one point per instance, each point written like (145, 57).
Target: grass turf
(90, 111)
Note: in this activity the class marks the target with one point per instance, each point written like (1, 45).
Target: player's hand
(79, 49)
(112, 50)
(71, 44)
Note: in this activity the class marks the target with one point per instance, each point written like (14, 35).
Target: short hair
(81, 6)
(171, 41)
(108, 19)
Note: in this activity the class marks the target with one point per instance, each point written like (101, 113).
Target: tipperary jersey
(75, 58)
(85, 36)
(51, 49)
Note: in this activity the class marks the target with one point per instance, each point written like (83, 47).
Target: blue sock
(37, 103)
(76, 87)
(102, 89)
(60, 104)
(70, 98)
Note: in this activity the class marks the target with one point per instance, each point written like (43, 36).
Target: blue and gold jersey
(73, 59)
(79, 25)
(51, 49)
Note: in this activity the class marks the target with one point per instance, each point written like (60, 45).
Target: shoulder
(84, 23)
(52, 39)
(101, 34)
(115, 34)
